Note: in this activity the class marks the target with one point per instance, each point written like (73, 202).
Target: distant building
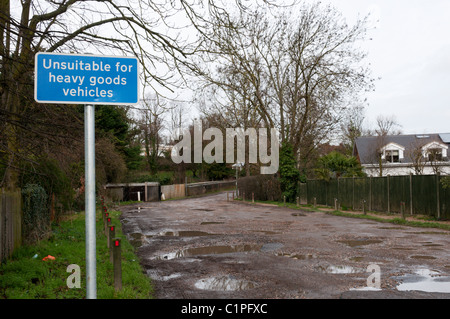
(420, 154)
(162, 148)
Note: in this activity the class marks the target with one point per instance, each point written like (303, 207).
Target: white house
(404, 154)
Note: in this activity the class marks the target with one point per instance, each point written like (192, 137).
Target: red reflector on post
(116, 243)
(112, 227)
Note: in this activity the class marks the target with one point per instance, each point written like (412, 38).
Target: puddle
(154, 274)
(204, 209)
(297, 256)
(211, 223)
(271, 246)
(424, 280)
(432, 245)
(224, 283)
(338, 269)
(185, 233)
(298, 214)
(359, 242)
(136, 239)
(133, 211)
(422, 257)
(209, 250)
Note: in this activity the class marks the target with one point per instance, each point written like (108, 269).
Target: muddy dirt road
(209, 247)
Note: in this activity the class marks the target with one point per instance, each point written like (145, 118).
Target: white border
(79, 102)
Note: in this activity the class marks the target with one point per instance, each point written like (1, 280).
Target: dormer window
(434, 151)
(392, 156)
(435, 155)
(392, 153)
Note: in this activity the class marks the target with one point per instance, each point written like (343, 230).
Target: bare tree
(387, 125)
(352, 127)
(416, 155)
(297, 74)
(152, 113)
(149, 30)
(435, 159)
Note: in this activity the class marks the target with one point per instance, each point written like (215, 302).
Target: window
(392, 156)
(435, 154)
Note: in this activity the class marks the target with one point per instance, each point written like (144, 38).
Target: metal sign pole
(89, 156)
(113, 80)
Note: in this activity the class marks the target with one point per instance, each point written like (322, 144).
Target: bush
(36, 213)
(289, 174)
(445, 181)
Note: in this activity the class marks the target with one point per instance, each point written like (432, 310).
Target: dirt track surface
(209, 247)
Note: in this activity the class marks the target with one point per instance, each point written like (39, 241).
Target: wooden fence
(419, 194)
(10, 222)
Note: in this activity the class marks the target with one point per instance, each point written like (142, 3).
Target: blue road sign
(86, 79)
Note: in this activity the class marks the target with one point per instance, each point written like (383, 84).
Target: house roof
(367, 146)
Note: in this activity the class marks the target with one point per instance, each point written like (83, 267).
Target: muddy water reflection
(425, 280)
(185, 233)
(209, 250)
(337, 269)
(224, 283)
(359, 242)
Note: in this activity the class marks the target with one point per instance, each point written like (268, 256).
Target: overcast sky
(410, 52)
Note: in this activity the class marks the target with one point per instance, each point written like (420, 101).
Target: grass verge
(394, 220)
(27, 276)
(376, 216)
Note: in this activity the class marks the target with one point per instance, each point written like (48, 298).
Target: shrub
(36, 214)
(289, 174)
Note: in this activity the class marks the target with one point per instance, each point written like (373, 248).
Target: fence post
(353, 192)
(364, 206)
(253, 197)
(437, 196)
(112, 234)
(243, 196)
(337, 190)
(388, 195)
(410, 194)
(107, 223)
(315, 202)
(117, 264)
(107, 232)
(298, 201)
(335, 204)
(284, 200)
(104, 212)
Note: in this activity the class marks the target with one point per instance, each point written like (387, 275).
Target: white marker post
(88, 80)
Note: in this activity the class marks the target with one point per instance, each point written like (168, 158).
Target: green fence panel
(424, 195)
(398, 193)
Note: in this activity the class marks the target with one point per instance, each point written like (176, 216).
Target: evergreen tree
(289, 174)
